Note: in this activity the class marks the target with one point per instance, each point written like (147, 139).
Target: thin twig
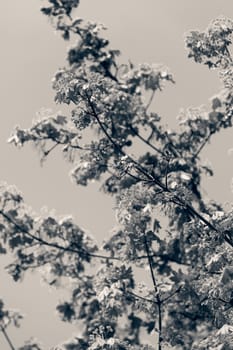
(166, 173)
(202, 146)
(4, 332)
(146, 141)
(171, 295)
(138, 179)
(150, 99)
(151, 135)
(175, 152)
(157, 294)
(142, 298)
(46, 153)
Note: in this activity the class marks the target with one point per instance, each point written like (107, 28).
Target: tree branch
(154, 180)
(54, 245)
(71, 250)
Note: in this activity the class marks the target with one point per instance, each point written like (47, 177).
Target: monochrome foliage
(164, 228)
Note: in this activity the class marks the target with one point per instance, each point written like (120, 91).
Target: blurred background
(149, 31)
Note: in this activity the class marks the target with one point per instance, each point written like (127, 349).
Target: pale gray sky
(145, 31)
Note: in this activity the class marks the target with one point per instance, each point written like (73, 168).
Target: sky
(144, 31)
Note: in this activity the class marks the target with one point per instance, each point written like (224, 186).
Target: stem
(158, 300)
(7, 338)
